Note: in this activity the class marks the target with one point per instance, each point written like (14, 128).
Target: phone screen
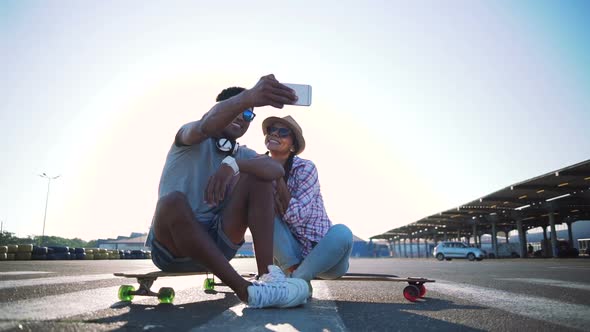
(303, 92)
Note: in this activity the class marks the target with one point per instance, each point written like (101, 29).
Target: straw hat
(290, 123)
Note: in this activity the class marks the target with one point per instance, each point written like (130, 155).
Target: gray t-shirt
(188, 169)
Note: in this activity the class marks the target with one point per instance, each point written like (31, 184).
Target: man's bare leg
(176, 229)
(252, 206)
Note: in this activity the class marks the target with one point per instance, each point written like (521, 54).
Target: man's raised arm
(213, 122)
(267, 92)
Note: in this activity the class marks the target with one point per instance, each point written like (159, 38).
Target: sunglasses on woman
(282, 132)
(248, 115)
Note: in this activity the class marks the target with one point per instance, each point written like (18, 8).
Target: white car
(449, 249)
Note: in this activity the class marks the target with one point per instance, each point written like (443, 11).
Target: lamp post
(49, 178)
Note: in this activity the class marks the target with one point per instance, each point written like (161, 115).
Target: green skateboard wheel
(209, 284)
(166, 295)
(124, 293)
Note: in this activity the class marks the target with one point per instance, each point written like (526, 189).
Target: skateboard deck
(414, 291)
(165, 294)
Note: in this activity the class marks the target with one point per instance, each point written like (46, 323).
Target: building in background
(136, 241)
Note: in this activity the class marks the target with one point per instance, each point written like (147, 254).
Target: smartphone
(303, 92)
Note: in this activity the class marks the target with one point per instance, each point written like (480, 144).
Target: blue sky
(417, 107)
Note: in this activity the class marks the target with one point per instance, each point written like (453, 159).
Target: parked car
(449, 249)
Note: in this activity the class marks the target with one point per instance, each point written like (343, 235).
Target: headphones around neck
(226, 145)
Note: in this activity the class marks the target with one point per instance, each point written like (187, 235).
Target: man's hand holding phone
(270, 92)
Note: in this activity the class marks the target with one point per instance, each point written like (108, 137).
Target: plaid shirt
(306, 216)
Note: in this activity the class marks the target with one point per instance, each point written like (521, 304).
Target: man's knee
(169, 219)
(255, 184)
(170, 204)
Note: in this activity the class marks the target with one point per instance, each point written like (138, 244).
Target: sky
(417, 107)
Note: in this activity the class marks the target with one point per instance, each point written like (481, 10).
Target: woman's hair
(289, 164)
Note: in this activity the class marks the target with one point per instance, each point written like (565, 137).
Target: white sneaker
(274, 274)
(275, 290)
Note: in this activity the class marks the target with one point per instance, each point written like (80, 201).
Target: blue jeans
(327, 260)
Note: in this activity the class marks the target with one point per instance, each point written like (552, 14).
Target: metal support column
(521, 238)
(544, 245)
(570, 235)
(405, 248)
(390, 247)
(553, 235)
(494, 240)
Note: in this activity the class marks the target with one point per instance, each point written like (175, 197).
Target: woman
(306, 245)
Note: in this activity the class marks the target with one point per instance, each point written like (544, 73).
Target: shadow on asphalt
(363, 316)
(167, 317)
(356, 316)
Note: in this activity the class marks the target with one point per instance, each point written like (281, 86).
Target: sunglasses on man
(248, 115)
(282, 132)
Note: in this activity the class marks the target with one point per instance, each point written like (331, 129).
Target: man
(212, 190)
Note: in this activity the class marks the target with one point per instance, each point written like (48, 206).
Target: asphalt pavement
(492, 295)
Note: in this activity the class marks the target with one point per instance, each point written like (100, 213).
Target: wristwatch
(231, 162)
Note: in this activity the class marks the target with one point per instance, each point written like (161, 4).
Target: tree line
(7, 238)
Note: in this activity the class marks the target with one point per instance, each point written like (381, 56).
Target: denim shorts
(164, 260)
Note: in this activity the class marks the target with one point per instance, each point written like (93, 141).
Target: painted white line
(551, 282)
(314, 316)
(53, 280)
(59, 306)
(75, 303)
(17, 273)
(58, 280)
(12, 326)
(569, 267)
(561, 313)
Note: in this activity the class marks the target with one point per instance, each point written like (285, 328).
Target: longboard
(165, 294)
(412, 292)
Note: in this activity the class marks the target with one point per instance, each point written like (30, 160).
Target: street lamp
(49, 178)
